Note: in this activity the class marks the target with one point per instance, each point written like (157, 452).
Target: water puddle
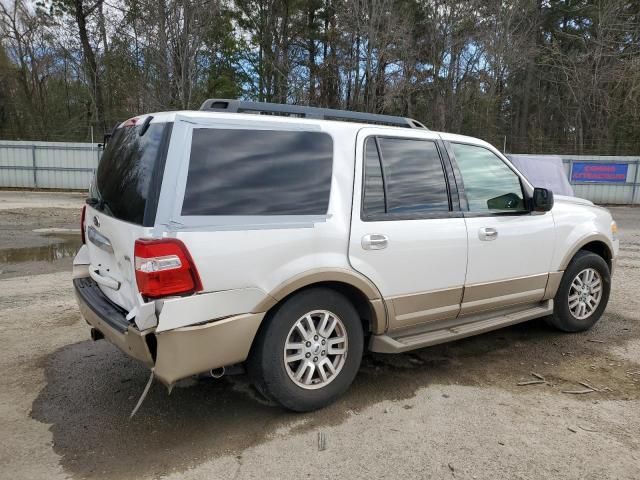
(68, 246)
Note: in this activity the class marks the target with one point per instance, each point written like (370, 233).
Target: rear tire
(326, 339)
(583, 293)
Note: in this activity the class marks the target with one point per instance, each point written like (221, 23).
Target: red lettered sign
(599, 172)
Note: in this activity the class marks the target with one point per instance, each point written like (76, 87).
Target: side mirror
(542, 200)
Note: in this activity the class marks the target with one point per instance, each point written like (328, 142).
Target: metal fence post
(635, 182)
(571, 171)
(35, 171)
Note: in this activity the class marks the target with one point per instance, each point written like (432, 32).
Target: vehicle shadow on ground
(92, 387)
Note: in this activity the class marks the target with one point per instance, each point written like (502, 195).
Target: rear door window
(258, 172)
(374, 200)
(404, 178)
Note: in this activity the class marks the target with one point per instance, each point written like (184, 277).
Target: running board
(404, 342)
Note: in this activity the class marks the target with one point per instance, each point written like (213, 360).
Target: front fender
(576, 226)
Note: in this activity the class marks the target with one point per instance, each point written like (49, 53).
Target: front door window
(489, 184)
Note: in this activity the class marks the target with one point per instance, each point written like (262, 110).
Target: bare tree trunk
(91, 66)
(105, 47)
(311, 48)
(164, 81)
(282, 58)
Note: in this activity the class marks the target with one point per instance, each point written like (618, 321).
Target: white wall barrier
(47, 164)
(57, 165)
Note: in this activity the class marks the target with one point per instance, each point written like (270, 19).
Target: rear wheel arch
(358, 299)
(369, 311)
(359, 290)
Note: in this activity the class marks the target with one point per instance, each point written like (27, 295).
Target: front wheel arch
(597, 244)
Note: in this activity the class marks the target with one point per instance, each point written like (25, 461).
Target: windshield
(125, 181)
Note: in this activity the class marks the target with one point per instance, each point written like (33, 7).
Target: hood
(574, 200)
(565, 200)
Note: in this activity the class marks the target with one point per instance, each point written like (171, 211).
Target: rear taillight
(83, 214)
(164, 267)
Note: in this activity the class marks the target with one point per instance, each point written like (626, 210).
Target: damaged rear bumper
(172, 354)
(109, 319)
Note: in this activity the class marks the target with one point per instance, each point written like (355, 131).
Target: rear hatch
(122, 204)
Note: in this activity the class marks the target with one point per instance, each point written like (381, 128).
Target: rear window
(126, 178)
(258, 172)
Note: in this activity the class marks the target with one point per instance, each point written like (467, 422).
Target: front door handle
(375, 241)
(487, 234)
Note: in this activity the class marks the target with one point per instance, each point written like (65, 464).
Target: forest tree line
(555, 76)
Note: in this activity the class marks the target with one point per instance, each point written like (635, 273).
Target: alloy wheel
(585, 293)
(316, 349)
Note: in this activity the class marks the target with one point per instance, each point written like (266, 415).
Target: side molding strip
(492, 295)
(409, 310)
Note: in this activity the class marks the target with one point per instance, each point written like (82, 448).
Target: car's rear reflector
(164, 267)
(83, 216)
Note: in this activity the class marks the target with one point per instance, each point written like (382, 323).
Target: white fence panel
(72, 165)
(60, 165)
(16, 163)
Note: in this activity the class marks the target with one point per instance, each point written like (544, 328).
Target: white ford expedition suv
(288, 240)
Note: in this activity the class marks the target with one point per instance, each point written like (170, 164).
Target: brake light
(164, 267)
(130, 123)
(83, 214)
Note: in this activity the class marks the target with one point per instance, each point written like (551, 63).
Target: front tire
(583, 293)
(309, 351)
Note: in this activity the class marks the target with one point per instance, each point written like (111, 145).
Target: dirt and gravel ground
(452, 411)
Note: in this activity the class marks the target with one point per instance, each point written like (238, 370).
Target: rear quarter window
(258, 172)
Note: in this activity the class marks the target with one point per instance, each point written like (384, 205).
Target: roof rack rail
(238, 106)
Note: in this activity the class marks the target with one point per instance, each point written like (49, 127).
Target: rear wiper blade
(145, 125)
(107, 136)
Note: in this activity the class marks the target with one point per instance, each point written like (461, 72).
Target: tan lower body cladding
(187, 351)
(409, 310)
(184, 351)
(190, 350)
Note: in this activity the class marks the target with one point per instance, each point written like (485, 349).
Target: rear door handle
(487, 234)
(375, 241)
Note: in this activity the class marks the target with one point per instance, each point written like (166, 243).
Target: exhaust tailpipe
(96, 335)
(217, 372)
